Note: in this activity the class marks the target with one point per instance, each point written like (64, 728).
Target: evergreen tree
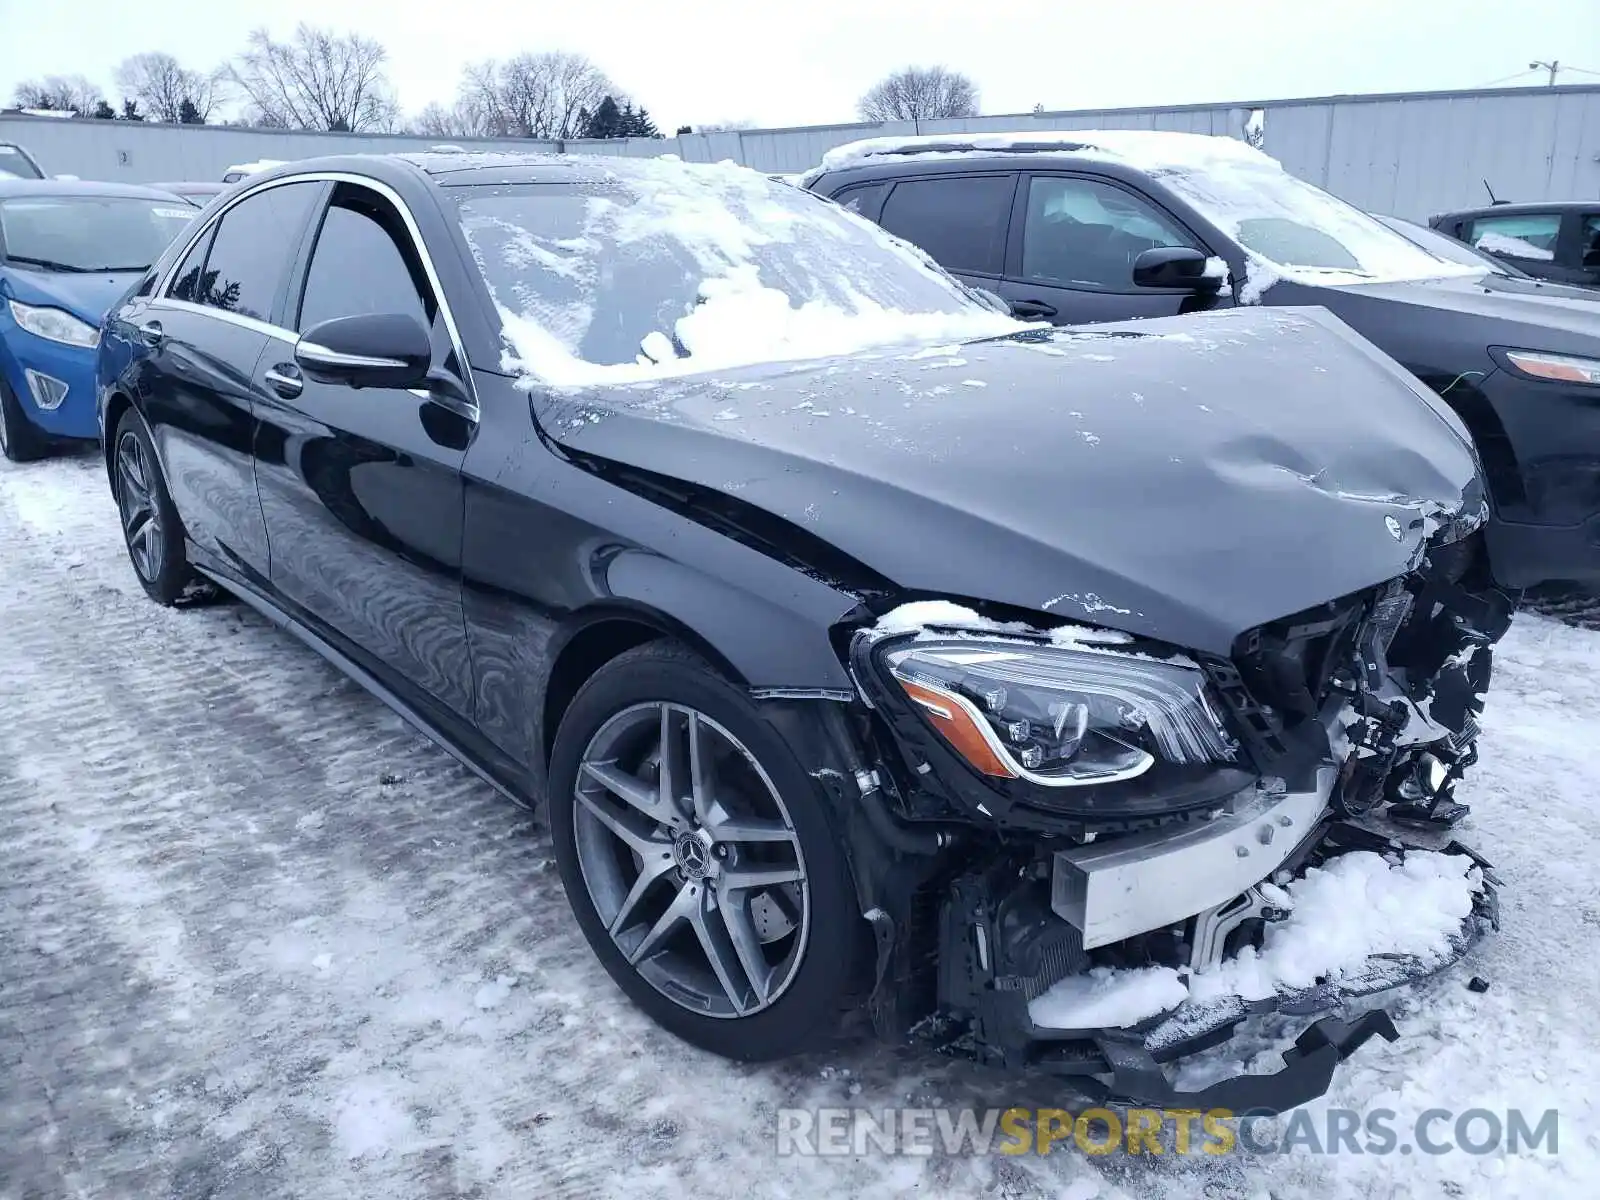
(604, 122)
(643, 126)
(188, 114)
(130, 111)
(103, 112)
(683, 129)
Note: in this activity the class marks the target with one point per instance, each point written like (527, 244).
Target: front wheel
(20, 440)
(150, 525)
(700, 859)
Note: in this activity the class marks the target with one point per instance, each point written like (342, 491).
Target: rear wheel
(20, 440)
(150, 525)
(700, 860)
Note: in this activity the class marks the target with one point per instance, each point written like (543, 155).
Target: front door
(361, 487)
(1074, 240)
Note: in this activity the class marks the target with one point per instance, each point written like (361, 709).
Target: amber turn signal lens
(954, 718)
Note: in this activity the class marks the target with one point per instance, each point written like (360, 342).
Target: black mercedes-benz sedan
(867, 648)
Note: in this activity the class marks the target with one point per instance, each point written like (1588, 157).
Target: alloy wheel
(141, 514)
(691, 860)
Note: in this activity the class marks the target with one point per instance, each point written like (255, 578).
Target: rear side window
(961, 220)
(863, 198)
(254, 247)
(1530, 236)
(186, 280)
(364, 262)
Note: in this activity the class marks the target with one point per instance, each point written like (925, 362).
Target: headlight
(1059, 716)
(56, 325)
(1557, 368)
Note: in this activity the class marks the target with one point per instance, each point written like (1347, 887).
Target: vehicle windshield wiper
(48, 264)
(123, 270)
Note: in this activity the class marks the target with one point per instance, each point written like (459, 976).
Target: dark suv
(1560, 242)
(1097, 226)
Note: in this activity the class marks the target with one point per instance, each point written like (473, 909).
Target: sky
(808, 63)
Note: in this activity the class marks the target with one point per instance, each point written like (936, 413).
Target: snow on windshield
(663, 268)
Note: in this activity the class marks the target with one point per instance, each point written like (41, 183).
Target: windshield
(667, 268)
(89, 233)
(1447, 247)
(1300, 230)
(15, 164)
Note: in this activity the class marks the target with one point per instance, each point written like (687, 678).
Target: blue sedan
(68, 251)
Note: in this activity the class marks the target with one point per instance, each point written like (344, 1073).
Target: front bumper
(51, 365)
(988, 979)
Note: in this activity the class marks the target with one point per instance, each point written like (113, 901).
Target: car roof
(487, 168)
(10, 188)
(1522, 209)
(1136, 150)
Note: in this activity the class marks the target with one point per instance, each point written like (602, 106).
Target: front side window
(253, 248)
(1086, 233)
(1530, 236)
(1589, 242)
(79, 234)
(363, 264)
(960, 220)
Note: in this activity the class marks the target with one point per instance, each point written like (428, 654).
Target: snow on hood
(1357, 907)
(1181, 479)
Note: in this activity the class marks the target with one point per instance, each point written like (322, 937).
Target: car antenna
(1493, 199)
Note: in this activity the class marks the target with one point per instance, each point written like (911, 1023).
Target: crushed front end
(1088, 853)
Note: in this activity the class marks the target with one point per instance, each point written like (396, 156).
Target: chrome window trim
(334, 358)
(222, 314)
(412, 229)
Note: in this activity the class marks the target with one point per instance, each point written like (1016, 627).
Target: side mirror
(1174, 267)
(386, 350)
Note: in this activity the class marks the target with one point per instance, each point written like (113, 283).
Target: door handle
(285, 380)
(1032, 308)
(151, 333)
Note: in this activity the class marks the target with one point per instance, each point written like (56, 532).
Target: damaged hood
(1180, 479)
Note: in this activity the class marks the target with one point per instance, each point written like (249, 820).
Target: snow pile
(1503, 243)
(1108, 999)
(1357, 907)
(919, 614)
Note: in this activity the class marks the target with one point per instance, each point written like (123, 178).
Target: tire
(151, 529)
(20, 439)
(816, 966)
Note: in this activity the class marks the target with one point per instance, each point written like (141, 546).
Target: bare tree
(162, 84)
(534, 95)
(919, 94)
(59, 93)
(316, 80)
(461, 119)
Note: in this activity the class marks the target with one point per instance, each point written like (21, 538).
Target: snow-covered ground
(259, 940)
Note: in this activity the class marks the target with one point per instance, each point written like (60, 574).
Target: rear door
(201, 338)
(960, 220)
(361, 487)
(1074, 239)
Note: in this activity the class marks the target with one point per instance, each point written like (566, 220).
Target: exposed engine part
(1212, 928)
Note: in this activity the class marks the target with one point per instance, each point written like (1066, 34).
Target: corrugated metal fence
(1410, 154)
